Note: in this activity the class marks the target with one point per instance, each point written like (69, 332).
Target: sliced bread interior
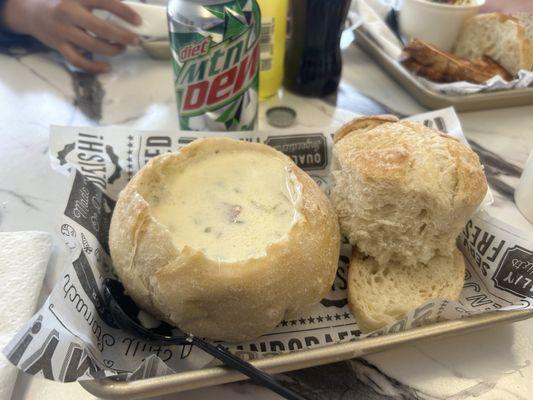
(381, 294)
(501, 37)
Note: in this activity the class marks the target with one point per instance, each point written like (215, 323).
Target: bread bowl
(170, 225)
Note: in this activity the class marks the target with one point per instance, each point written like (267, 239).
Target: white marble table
(36, 91)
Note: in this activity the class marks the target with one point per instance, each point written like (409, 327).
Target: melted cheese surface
(230, 205)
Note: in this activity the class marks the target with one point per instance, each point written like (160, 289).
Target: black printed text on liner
(308, 151)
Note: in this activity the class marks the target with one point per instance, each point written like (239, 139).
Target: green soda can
(215, 57)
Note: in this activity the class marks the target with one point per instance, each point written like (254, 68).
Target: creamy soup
(230, 205)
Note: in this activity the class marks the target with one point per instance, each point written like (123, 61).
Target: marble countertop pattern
(37, 90)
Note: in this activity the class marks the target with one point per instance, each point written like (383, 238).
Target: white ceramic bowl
(436, 23)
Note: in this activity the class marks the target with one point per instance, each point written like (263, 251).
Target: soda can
(215, 57)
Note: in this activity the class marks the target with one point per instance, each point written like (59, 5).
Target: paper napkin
(23, 260)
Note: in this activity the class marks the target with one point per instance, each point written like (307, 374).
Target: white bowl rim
(477, 4)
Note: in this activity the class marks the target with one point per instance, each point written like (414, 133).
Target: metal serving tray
(435, 100)
(114, 389)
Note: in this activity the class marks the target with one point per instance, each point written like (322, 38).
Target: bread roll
(224, 239)
(381, 294)
(403, 191)
(502, 37)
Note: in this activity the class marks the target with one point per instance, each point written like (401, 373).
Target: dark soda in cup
(313, 62)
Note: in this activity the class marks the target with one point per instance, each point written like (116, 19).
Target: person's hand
(69, 25)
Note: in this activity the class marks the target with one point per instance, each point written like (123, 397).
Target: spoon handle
(256, 375)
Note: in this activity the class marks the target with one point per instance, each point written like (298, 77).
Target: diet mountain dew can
(215, 56)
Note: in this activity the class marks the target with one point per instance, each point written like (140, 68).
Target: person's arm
(69, 25)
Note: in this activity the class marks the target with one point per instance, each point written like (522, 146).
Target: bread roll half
(378, 295)
(224, 239)
(403, 191)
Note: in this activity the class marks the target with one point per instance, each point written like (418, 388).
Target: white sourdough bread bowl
(403, 191)
(234, 289)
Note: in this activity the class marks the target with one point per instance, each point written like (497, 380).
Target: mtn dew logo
(216, 68)
(219, 76)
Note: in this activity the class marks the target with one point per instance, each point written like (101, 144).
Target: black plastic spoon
(118, 304)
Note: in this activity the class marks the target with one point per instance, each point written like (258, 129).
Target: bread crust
(437, 65)
(230, 301)
(362, 124)
(404, 191)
